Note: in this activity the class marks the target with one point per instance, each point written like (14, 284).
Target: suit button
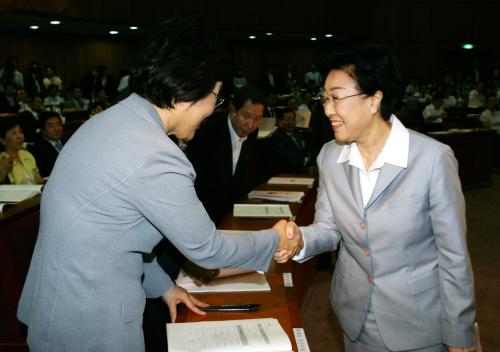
(362, 225)
(366, 252)
(370, 279)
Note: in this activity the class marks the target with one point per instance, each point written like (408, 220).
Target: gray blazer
(405, 252)
(118, 186)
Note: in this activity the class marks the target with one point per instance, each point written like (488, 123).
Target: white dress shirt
(491, 118)
(431, 114)
(395, 152)
(236, 143)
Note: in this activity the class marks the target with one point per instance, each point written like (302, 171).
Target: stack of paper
(262, 211)
(17, 193)
(248, 335)
(278, 196)
(302, 181)
(238, 283)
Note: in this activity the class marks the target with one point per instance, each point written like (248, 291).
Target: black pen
(233, 308)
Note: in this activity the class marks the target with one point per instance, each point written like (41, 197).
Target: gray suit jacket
(405, 252)
(118, 186)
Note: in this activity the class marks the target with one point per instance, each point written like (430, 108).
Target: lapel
(226, 150)
(387, 176)
(352, 175)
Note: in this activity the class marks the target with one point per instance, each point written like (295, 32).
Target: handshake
(290, 241)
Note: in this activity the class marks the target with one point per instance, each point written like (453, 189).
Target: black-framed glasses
(333, 99)
(218, 99)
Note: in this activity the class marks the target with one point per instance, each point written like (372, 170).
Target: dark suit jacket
(30, 85)
(210, 153)
(45, 155)
(287, 156)
(5, 105)
(29, 124)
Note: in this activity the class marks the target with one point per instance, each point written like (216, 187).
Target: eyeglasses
(218, 99)
(333, 99)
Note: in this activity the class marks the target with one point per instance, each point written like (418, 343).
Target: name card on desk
(301, 181)
(277, 196)
(262, 211)
(247, 335)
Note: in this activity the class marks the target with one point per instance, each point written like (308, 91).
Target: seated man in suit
(289, 152)
(47, 146)
(30, 118)
(221, 152)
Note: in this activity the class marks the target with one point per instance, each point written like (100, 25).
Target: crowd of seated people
(31, 92)
(449, 97)
(34, 104)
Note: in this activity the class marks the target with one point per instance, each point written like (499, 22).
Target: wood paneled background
(425, 34)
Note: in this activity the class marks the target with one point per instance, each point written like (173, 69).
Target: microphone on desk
(233, 308)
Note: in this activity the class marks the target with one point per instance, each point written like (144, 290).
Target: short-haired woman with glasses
(118, 187)
(390, 201)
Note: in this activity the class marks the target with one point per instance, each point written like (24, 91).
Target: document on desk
(247, 282)
(247, 335)
(18, 193)
(302, 181)
(262, 211)
(278, 196)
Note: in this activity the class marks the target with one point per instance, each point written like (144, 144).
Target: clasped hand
(290, 241)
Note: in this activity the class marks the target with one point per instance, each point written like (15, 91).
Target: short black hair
(180, 62)
(44, 116)
(8, 123)
(284, 111)
(254, 94)
(375, 68)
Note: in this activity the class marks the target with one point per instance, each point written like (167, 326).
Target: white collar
(395, 150)
(234, 136)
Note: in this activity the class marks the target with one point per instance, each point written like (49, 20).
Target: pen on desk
(233, 308)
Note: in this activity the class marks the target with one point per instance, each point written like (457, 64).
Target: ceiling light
(34, 27)
(133, 28)
(269, 33)
(113, 32)
(252, 37)
(314, 38)
(328, 35)
(55, 22)
(467, 46)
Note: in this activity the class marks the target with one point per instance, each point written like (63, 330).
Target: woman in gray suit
(390, 200)
(119, 186)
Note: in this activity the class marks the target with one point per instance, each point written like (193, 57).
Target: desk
(18, 233)
(281, 303)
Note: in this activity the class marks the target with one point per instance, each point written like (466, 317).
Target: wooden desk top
(15, 211)
(282, 303)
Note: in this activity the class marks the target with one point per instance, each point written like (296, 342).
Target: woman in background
(23, 169)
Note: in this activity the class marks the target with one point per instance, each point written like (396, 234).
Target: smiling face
(351, 118)
(247, 119)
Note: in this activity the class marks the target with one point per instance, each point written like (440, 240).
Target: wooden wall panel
(72, 55)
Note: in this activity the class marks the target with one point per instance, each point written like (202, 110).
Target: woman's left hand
(177, 295)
